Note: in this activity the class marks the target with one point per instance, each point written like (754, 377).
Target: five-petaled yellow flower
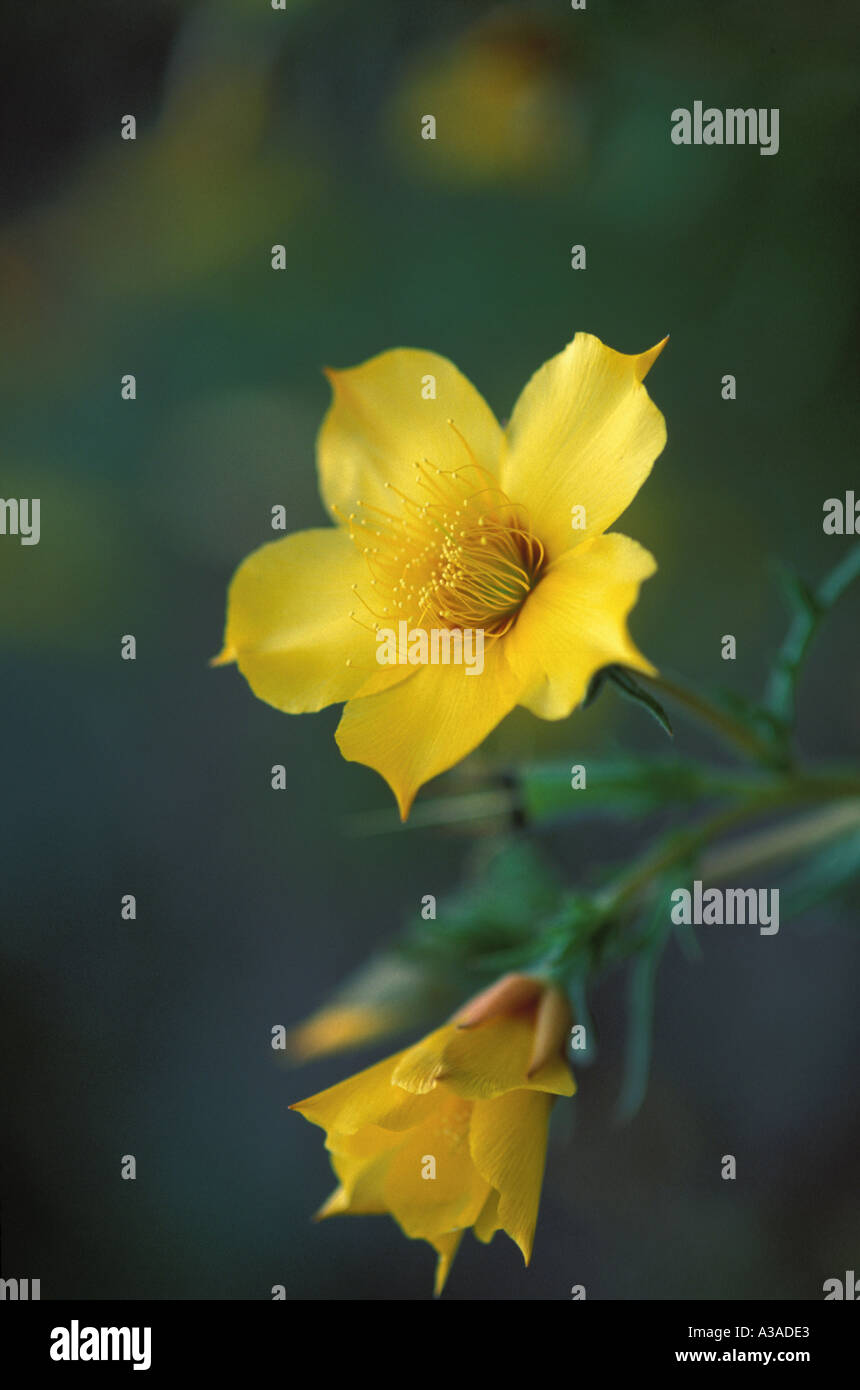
(447, 522)
(452, 1132)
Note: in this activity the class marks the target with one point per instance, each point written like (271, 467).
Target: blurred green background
(301, 127)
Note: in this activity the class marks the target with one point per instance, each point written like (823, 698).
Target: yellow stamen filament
(456, 553)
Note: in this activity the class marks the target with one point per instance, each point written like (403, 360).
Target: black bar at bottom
(68, 1338)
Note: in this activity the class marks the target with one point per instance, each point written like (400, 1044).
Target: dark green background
(257, 127)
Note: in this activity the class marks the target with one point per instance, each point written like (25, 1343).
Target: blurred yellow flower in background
(452, 1133)
(445, 521)
(338, 1028)
(384, 995)
(507, 110)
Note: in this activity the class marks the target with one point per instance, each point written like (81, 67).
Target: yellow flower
(385, 995)
(338, 1027)
(499, 86)
(446, 522)
(452, 1133)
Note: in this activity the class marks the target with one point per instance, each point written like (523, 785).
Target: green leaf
(843, 574)
(567, 934)
(632, 786)
(632, 690)
(595, 685)
(766, 726)
(491, 919)
(576, 988)
(689, 943)
(832, 869)
(641, 992)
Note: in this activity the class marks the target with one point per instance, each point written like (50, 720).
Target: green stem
(811, 605)
(734, 730)
(681, 847)
(689, 843)
(781, 841)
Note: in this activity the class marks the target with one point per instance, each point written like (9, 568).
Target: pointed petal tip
(646, 360)
(333, 376)
(334, 1205)
(524, 1241)
(405, 802)
(224, 658)
(443, 1269)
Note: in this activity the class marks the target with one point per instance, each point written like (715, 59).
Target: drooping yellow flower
(451, 1133)
(445, 523)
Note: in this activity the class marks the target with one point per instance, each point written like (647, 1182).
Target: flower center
(456, 554)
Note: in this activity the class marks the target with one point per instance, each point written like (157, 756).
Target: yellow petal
(361, 1189)
(480, 1062)
(574, 622)
(419, 1067)
(488, 1222)
(446, 1247)
(361, 1146)
(362, 1183)
(584, 433)
(428, 722)
(508, 1139)
(382, 679)
(368, 1098)
(379, 425)
(337, 1204)
(383, 1170)
(361, 1194)
(428, 1206)
(288, 623)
